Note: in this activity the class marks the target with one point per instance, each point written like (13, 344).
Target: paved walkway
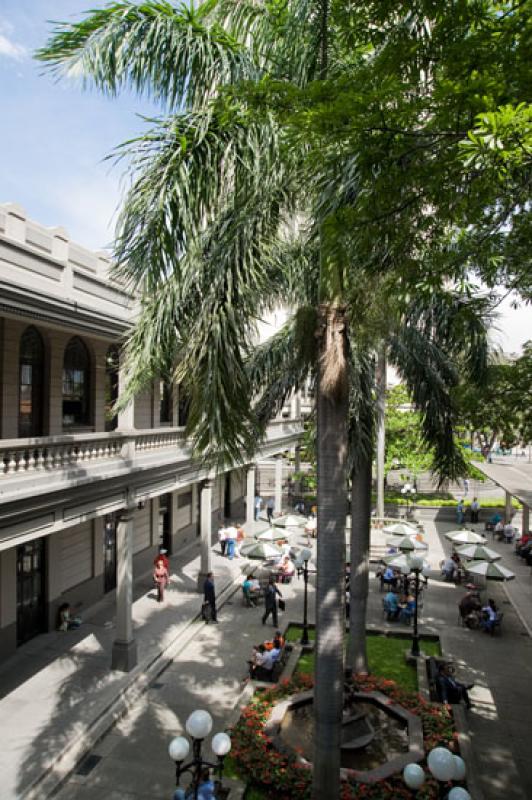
(60, 685)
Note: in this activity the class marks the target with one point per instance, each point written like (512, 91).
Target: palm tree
(198, 236)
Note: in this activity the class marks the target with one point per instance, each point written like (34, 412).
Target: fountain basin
(378, 737)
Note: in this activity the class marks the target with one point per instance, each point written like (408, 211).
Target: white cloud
(8, 47)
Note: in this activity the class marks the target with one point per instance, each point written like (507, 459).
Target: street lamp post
(445, 767)
(198, 727)
(408, 491)
(301, 564)
(416, 565)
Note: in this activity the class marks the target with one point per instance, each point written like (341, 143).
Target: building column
(126, 417)
(278, 483)
(297, 458)
(508, 510)
(124, 656)
(250, 494)
(205, 531)
(525, 521)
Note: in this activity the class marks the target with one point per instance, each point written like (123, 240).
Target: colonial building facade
(86, 499)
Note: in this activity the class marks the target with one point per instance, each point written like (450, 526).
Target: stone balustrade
(57, 453)
(19, 457)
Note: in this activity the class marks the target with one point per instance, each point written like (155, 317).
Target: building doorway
(109, 552)
(165, 519)
(31, 617)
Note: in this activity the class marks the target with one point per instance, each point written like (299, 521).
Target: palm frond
(282, 364)
(176, 55)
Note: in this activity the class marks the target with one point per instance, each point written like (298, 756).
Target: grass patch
(386, 656)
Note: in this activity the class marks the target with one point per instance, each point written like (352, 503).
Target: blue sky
(54, 137)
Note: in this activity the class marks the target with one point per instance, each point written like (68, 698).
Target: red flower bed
(281, 776)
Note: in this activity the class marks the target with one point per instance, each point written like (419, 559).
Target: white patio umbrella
(401, 529)
(406, 543)
(260, 550)
(491, 570)
(291, 521)
(273, 535)
(465, 537)
(403, 562)
(477, 552)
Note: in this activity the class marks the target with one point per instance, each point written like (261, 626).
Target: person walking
(475, 507)
(231, 534)
(270, 506)
(160, 578)
(209, 599)
(270, 602)
(466, 486)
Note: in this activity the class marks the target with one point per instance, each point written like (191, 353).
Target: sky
(54, 137)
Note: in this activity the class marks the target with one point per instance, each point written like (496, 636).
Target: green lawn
(386, 656)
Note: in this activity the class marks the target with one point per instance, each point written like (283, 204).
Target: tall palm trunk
(356, 658)
(381, 420)
(332, 409)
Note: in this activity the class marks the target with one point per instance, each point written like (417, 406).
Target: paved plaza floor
(59, 689)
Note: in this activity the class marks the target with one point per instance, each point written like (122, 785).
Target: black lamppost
(301, 564)
(408, 491)
(198, 727)
(416, 566)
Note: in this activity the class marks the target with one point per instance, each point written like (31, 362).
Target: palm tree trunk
(332, 409)
(356, 659)
(381, 419)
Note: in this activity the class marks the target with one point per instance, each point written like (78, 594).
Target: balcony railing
(54, 454)
(57, 453)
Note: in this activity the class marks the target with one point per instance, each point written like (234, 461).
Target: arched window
(111, 387)
(76, 384)
(31, 383)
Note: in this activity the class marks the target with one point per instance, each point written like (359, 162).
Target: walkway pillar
(126, 418)
(250, 494)
(508, 511)
(278, 483)
(525, 521)
(297, 458)
(205, 531)
(124, 656)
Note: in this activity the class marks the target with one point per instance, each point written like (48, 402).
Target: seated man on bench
(262, 663)
(449, 689)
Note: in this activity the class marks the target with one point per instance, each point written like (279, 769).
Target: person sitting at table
(469, 606)
(391, 605)
(508, 532)
(489, 616)
(65, 620)
(249, 591)
(389, 577)
(498, 530)
(287, 570)
(407, 606)
(448, 569)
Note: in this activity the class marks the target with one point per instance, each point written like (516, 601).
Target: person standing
(475, 507)
(231, 534)
(258, 506)
(209, 598)
(270, 506)
(160, 578)
(270, 602)
(466, 485)
(222, 538)
(460, 513)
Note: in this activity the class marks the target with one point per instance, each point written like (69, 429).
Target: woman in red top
(160, 577)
